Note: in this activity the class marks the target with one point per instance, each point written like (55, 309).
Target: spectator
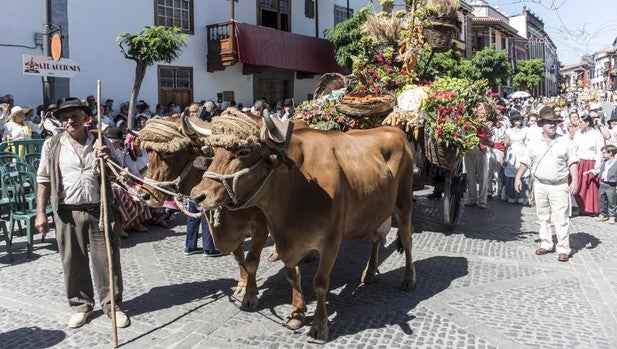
(51, 125)
(17, 127)
(606, 172)
(66, 176)
(551, 159)
(588, 143)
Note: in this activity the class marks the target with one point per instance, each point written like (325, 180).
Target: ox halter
(233, 188)
(168, 186)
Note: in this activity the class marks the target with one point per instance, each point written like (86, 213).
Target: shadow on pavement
(164, 297)
(31, 337)
(580, 240)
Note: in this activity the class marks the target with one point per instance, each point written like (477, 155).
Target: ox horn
(278, 131)
(191, 127)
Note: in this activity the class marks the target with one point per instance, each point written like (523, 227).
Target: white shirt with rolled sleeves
(551, 165)
(79, 183)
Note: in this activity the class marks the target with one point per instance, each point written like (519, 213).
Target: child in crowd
(606, 171)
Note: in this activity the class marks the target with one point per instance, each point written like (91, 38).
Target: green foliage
(492, 65)
(154, 44)
(348, 40)
(444, 64)
(528, 73)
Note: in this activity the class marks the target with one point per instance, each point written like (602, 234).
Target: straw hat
(16, 110)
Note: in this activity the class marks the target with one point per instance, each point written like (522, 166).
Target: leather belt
(552, 182)
(82, 207)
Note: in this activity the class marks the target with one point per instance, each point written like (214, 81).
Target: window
(340, 14)
(275, 14)
(175, 78)
(175, 13)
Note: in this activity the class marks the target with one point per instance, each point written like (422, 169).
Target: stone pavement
(479, 286)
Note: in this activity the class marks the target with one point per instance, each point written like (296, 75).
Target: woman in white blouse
(17, 127)
(588, 142)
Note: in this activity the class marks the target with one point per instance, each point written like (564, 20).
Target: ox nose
(199, 198)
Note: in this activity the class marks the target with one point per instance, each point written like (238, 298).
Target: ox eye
(242, 153)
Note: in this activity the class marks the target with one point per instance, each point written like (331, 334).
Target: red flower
(380, 59)
(460, 108)
(440, 131)
(467, 126)
(455, 134)
(376, 90)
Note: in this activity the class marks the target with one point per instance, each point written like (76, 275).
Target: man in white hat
(552, 158)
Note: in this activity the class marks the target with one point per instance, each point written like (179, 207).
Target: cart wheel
(454, 188)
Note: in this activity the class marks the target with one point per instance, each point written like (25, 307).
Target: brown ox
(315, 188)
(172, 150)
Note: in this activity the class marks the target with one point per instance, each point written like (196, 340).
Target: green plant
(443, 8)
(153, 44)
(451, 113)
(322, 114)
(528, 73)
(348, 40)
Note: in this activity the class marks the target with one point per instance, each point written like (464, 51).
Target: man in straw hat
(66, 177)
(551, 159)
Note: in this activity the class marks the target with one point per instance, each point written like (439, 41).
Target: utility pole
(48, 87)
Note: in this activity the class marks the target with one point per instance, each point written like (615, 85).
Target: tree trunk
(140, 73)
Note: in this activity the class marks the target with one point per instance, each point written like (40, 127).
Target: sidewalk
(479, 286)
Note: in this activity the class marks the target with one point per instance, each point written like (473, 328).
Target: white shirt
(550, 164)
(589, 144)
(135, 166)
(17, 131)
(79, 184)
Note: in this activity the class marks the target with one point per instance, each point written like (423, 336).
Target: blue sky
(577, 27)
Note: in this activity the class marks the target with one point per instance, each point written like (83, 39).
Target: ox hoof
(318, 334)
(408, 285)
(273, 257)
(249, 302)
(294, 322)
(368, 277)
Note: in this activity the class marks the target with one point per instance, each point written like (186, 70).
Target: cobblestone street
(479, 286)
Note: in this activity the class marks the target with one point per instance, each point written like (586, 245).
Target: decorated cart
(441, 117)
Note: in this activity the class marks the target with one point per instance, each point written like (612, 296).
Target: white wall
(20, 20)
(91, 36)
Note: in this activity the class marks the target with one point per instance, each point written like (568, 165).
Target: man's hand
(518, 184)
(103, 152)
(574, 187)
(41, 223)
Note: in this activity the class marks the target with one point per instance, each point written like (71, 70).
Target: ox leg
(258, 241)
(239, 256)
(296, 317)
(320, 330)
(368, 276)
(405, 229)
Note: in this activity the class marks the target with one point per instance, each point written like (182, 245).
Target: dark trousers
(192, 230)
(76, 229)
(607, 199)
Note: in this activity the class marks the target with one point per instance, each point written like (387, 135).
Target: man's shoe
(140, 228)
(601, 218)
(122, 320)
(190, 251)
(123, 233)
(542, 251)
(611, 220)
(563, 257)
(212, 253)
(79, 319)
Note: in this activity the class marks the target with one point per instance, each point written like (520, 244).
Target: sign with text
(45, 66)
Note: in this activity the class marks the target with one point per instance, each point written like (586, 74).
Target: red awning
(264, 46)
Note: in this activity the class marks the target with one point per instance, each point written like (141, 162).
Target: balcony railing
(222, 50)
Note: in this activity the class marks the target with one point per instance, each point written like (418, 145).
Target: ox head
(176, 160)
(246, 151)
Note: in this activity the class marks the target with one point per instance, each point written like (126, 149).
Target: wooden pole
(110, 267)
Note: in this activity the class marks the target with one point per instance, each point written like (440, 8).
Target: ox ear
(190, 127)
(279, 132)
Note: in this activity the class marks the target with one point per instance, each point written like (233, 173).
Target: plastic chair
(6, 238)
(20, 207)
(31, 158)
(22, 147)
(10, 157)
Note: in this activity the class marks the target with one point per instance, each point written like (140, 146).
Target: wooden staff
(110, 269)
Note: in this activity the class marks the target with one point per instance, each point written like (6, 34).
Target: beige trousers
(553, 205)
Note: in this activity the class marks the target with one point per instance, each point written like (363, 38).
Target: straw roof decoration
(234, 129)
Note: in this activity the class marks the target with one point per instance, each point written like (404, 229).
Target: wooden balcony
(222, 50)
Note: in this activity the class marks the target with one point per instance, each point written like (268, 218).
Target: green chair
(20, 207)
(33, 159)
(22, 147)
(6, 238)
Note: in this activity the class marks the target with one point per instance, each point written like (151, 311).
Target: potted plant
(453, 123)
(442, 23)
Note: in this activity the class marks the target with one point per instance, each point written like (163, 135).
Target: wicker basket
(379, 108)
(438, 154)
(440, 34)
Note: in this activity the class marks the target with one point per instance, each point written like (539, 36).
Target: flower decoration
(456, 113)
(322, 114)
(381, 74)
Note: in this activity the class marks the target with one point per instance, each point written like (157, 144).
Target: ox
(315, 188)
(172, 151)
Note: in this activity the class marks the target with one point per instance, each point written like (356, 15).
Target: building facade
(89, 30)
(539, 45)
